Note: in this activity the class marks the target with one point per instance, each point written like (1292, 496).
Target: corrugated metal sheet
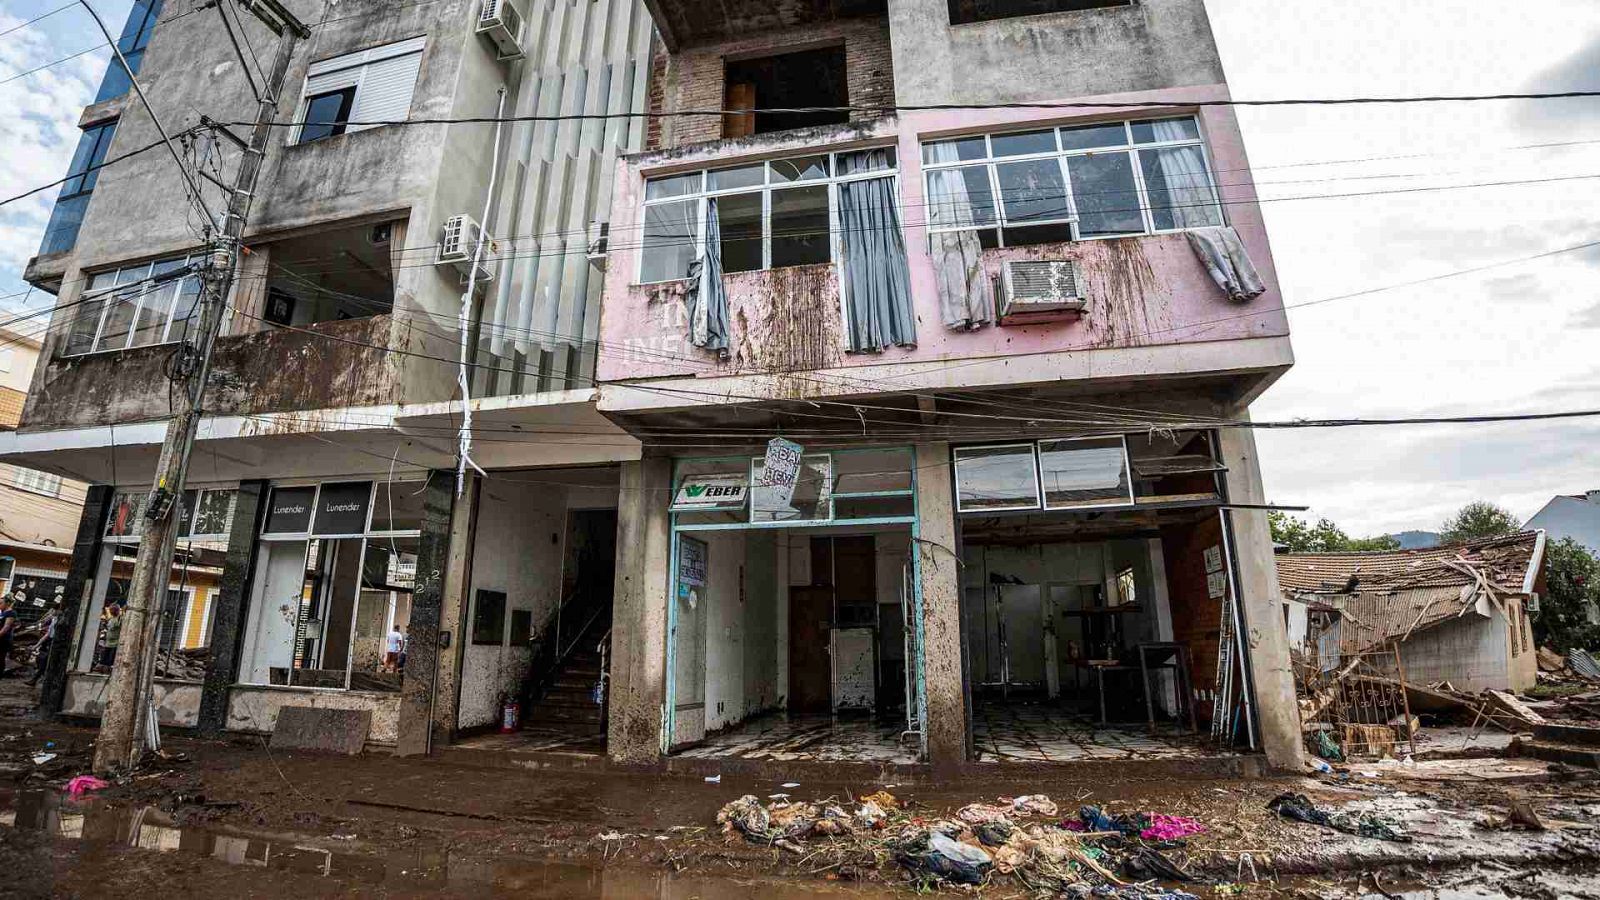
(1372, 619)
(1584, 664)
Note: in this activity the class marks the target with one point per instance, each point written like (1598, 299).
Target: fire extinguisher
(510, 714)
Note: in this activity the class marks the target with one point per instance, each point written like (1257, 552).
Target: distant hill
(1416, 540)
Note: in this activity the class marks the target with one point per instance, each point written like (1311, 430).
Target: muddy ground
(234, 819)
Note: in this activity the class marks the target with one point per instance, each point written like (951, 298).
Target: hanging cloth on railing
(1224, 256)
(877, 282)
(706, 300)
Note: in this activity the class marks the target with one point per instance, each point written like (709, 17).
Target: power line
(38, 18)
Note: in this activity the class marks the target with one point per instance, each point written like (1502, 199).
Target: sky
(1513, 338)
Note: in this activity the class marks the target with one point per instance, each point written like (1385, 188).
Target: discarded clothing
(979, 813)
(1034, 805)
(705, 300)
(1224, 257)
(1147, 863)
(1327, 749)
(993, 834)
(747, 816)
(1092, 818)
(1170, 828)
(1299, 808)
(82, 784)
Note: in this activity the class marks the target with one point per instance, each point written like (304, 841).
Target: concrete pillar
(938, 575)
(453, 610)
(639, 616)
(228, 608)
(80, 579)
(422, 634)
(1276, 708)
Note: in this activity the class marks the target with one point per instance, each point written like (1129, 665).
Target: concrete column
(938, 559)
(1265, 636)
(80, 579)
(453, 610)
(228, 609)
(422, 634)
(639, 616)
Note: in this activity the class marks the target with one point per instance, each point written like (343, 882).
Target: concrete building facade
(825, 403)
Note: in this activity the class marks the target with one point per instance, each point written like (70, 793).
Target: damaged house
(1458, 613)
(849, 383)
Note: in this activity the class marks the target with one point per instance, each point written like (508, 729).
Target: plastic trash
(747, 816)
(790, 784)
(713, 779)
(1321, 765)
(40, 759)
(954, 861)
(82, 784)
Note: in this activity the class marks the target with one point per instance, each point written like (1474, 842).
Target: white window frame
(1038, 488)
(361, 59)
(1129, 148)
(1039, 502)
(36, 482)
(766, 188)
(122, 279)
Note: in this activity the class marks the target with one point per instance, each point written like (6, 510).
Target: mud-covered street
(233, 819)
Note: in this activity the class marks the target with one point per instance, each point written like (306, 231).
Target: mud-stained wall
(268, 371)
(177, 702)
(255, 709)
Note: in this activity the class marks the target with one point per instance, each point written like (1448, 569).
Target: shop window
(1090, 181)
(966, 12)
(1084, 473)
(371, 86)
(803, 80)
(996, 478)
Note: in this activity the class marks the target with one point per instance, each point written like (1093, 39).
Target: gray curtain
(1224, 257)
(707, 301)
(877, 283)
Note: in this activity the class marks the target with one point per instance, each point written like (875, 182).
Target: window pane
(871, 471)
(669, 235)
(1033, 191)
(874, 160)
(215, 514)
(326, 114)
(996, 478)
(157, 305)
(958, 150)
(800, 229)
(1091, 472)
(1179, 187)
(960, 197)
(1166, 130)
(1108, 202)
(673, 186)
(1024, 143)
(744, 176)
(101, 136)
(739, 218)
(186, 307)
(119, 320)
(806, 168)
(1028, 235)
(398, 506)
(383, 613)
(85, 322)
(1088, 137)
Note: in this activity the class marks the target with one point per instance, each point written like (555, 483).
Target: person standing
(8, 631)
(47, 637)
(113, 635)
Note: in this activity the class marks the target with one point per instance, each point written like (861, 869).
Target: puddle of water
(149, 829)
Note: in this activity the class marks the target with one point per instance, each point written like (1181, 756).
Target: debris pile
(1298, 808)
(1092, 852)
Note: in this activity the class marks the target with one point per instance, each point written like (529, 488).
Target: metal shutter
(385, 91)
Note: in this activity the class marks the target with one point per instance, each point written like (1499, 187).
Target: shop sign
(291, 510)
(779, 472)
(691, 569)
(716, 492)
(342, 508)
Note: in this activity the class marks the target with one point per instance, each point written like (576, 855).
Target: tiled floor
(541, 739)
(782, 738)
(1042, 733)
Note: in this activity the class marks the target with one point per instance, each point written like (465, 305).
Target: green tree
(1479, 519)
(1572, 591)
(1301, 536)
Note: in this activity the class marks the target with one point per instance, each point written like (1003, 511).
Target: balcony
(684, 23)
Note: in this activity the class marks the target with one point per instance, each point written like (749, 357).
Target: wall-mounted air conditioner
(599, 238)
(458, 242)
(1040, 288)
(501, 22)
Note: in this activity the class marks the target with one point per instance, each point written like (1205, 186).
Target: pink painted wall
(1146, 291)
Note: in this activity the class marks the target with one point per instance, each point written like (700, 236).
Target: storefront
(793, 613)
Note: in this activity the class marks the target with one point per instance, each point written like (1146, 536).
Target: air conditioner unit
(502, 22)
(458, 242)
(599, 238)
(1043, 286)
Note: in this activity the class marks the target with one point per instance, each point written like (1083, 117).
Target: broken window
(332, 596)
(790, 81)
(135, 306)
(360, 90)
(965, 12)
(1101, 180)
(331, 276)
(770, 215)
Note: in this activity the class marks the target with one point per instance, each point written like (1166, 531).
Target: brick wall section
(693, 78)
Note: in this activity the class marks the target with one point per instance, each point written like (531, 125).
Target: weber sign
(710, 493)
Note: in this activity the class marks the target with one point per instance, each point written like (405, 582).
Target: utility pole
(126, 728)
